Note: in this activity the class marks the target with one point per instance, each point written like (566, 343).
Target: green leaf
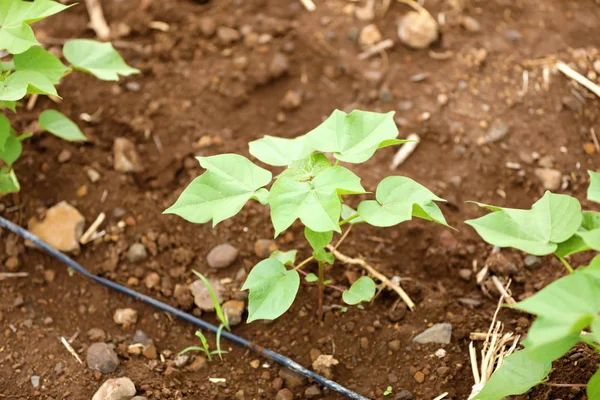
(593, 193)
(215, 300)
(229, 182)
(310, 278)
(5, 131)
(97, 58)
(11, 105)
(586, 238)
(564, 308)
(353, 137)
(316, 203)
(552, 219)
(307, 168)
(39, 60)
(398, 200)
(280, 151)
(324, 256)
(287, 258)
(593, 386)
(21, 83)
(517, 375)
(361, 290)
(15, 34)
(348, 212)
(11, 151)
(8, 181)
(318, 240)
(60, 125)
(272, 289)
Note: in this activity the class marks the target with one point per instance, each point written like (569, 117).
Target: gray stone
(102, 358)
(116, 389)
(137, 253)
(35, 381)
(279, 65)
(533, 262)
(140, 337)
(312, 392)
(550, 178)
(403, 395)
(498, 130)
(125, 317)
(292, 379)
(202, 297)
(438, 333)
(284, 394)
(182, 360)
(222, 256)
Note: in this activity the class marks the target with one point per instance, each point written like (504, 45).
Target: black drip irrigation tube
(271, 355)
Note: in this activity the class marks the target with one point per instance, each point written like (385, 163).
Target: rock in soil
(198, 363)
(181, 361)
(292, 379)
(324, 365)
(116, 389)
(500, 265)
(438, 333)
(228, 35)
(222, 256)
(312, 392)
(233, 310)
(417, 30)
(291, 101)
(369, 36)
(533, 262)
(125, 156)
(202, 297)
(279, 65)
(125, 317)
(102, 358)
(497, 131)
(208, 27)
(183, 296)
(284, 394)
(264, 247)
(551, 178)
(61, 228)
(152, 280)
(404, 395)
(96, 335)
(12, 263)
(137, 253)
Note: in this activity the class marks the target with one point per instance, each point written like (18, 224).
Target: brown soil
(189, 89)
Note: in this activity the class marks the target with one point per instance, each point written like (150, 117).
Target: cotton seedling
(567, 310)
(26, 68)
(311, 188)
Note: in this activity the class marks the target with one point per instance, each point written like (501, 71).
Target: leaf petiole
(345, 221)
(566, 264)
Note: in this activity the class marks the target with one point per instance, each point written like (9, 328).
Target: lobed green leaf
(280, 151)
(316, 203)
(593, 193)
(398, 200)
(552, 219)
(361, 290)
(5, 131)
(587, 236)
(8, 181)
(15, 34)
(97, 58)
(516, 375)
(229, 182)
(353, 137)
(20, 83)
(11, 105)
(39, 60)
(60, 125)
(273, 289)
(287, 258)
(11, 151)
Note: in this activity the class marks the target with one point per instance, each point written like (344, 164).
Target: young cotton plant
(567, 310)
(26, 68)
(310, 189)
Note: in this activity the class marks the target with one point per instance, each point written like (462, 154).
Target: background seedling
(567, 310)
(26, 68)
(310, 189)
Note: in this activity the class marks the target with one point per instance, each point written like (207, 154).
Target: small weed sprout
(567, 310)
(224, 324)
(310, 189)
(26, 68)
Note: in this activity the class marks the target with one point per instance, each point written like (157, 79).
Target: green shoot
(219, 311)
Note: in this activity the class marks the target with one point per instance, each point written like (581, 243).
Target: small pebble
(137, 253)
(35, 381)
(470, 24)
(102, 358)
(222, 256)
(417, 30)
(125, 317)
(64, 156)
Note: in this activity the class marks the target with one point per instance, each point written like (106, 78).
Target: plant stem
(344, 236)
(566, 385)
(566, 264)
(303, 263)
(321, 289)
(330, 286)
(345, 221)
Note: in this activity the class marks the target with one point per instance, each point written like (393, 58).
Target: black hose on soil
(278, 358)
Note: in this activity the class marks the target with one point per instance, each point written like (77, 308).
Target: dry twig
(70, 349)
(7, 275)
(309, 5)
(577, 77)
(378, 275)
(91, 231)
(97, 20)
(405, 151)
(375, 49)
